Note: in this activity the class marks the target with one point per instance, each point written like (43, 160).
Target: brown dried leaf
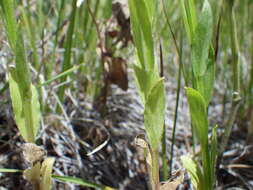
(113, 33)
(118, 73)
(172, 185)
(33, 153)
(140, 140)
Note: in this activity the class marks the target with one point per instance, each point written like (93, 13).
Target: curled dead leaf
(140, 140)
(33, 153)
(118, 72)
(173, 184)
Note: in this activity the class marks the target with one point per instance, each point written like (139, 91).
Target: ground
(119, 163)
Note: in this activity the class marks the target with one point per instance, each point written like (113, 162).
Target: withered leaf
(118, 73)
(33, 153)
(173, 184)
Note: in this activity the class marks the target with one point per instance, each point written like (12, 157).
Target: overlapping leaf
(154, 113)
(202, 41)
(198, 114)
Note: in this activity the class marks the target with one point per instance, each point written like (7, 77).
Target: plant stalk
(176, 107)
(236, 77)
(155, 170)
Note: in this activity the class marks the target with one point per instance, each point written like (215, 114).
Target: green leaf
(6, 170)
(205, 83)
(23, 94)
(17, 105)
(28, 132)
(22, 68)
(35, 111)
(185, 20)
(9, 21)
(107, 9)
(194, 171)
(67, 72)
(192, 15)
(81, 182)
(154, 113)
(151, 7)
(67, 53)
(144, 81)
(198, 114)
(142, 33)
(202, 41)
(31, 30)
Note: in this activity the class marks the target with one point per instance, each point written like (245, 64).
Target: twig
(176, 107)
(164, 144)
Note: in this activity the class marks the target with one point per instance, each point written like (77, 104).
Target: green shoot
(67, 55)
(151, 88)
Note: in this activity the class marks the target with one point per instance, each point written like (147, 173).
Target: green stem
(228, 125)
(164, 159)
(164, 144)
(235, 49)
(155, 170)
(250, 87)
(209, 181)
(176, 107)
(67, 54)
(49, 68)
(236, 78)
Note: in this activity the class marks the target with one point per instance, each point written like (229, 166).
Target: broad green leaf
(185, 20)
(36, 114)
(27, 132)
(154, 113)
(205, 83)
(28, 23)
(137, 33)
(23, 94)
(46, 173)
(192, 15)
(202, 41)
(81, 182)
(107, 9)
(142, 33)
(22, 69)
(206, 166)
(31, 109)
(194, 172)
(9, 21)
(197, 106)
(151, 7)
(17, 105)
(144, 81)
